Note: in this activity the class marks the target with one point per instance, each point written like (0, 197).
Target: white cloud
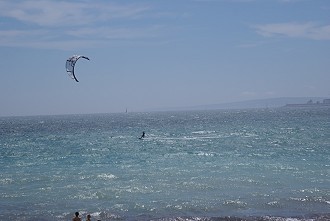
(115, 33)
(75, 38)
(307, 30)
(65, 13)
(70, 24)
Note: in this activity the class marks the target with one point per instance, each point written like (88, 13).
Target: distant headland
(281, 102)
(311, 103)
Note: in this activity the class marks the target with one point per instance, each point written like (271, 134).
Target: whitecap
(106, 176)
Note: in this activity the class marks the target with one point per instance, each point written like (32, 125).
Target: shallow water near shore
(200, 165)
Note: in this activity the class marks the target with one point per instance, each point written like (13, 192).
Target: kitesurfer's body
(143, 135)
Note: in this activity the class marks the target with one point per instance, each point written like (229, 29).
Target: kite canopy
(70, 64)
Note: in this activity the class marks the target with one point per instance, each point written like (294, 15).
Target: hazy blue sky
(159, 53)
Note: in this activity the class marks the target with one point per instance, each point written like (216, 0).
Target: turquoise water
(254, 164)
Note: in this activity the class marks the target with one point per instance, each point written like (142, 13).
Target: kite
(70, 64)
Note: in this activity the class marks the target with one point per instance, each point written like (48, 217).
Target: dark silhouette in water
(143, 135)
(77, 217)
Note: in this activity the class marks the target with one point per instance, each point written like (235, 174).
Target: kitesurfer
(143, 135)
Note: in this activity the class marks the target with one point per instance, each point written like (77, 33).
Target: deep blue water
(239, 163)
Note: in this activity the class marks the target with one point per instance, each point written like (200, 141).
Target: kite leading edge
(70, 64)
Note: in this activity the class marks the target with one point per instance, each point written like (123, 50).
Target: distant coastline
(311, 103)
(281, 102)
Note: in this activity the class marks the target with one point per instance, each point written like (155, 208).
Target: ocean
(255, 164)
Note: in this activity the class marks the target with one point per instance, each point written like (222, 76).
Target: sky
(153, 54)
